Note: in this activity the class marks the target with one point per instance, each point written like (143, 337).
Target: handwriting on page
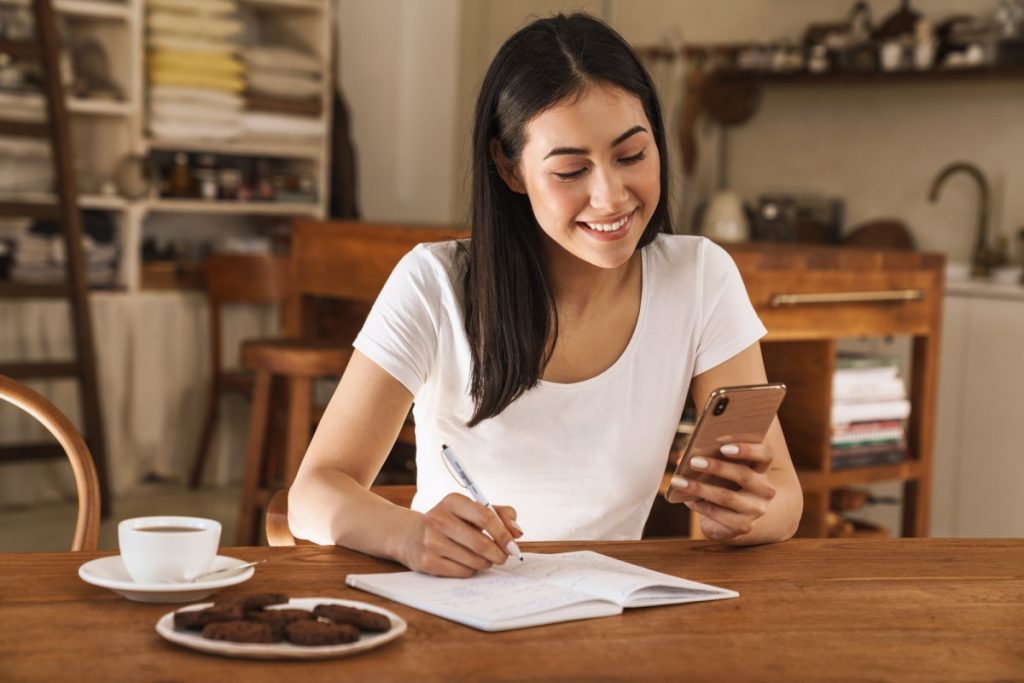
(497, 595)
(603, 576)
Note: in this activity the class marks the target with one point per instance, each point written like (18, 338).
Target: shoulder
(433, 264)
(698, 255)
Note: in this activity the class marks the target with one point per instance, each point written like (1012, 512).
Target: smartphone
(731, 415)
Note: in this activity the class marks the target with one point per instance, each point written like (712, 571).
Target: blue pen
(462, 476)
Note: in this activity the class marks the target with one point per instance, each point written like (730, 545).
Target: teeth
(608, 227)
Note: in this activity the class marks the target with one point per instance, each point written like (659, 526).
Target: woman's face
(590, 167)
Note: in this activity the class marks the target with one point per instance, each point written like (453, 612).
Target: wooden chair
(87, 525)
(278, 532)
(233, 279)
(342, 261)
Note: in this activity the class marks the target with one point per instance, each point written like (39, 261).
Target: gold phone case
(744, 417)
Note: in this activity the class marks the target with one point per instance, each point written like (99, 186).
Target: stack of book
(869, 412)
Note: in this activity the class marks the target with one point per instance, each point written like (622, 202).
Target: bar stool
(338, 261)
(233, 279)
(294, 363)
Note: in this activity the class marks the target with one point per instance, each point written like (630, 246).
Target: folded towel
(203, 62)
(205, 7)
(260, 124)
(183, 43)
(174, 94)
(282, 58)
(293, 87)
(283, 105)
(183, 130)
(193, 112)
(186, 78)
(193, 25)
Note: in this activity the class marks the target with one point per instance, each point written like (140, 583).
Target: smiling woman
(554, 349)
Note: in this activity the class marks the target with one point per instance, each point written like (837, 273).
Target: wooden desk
(809, 609)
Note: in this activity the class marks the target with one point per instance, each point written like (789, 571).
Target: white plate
(109, 572)
(368, 641)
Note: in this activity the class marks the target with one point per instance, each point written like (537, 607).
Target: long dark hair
(510, 309)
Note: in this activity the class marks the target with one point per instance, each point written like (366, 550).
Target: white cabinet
(979, 461)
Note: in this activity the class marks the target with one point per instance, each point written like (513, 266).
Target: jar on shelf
(206, 176)
(180, 183)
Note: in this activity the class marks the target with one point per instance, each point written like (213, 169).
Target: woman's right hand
(449, 539)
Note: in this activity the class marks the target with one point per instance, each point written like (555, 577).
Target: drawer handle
(846, 297)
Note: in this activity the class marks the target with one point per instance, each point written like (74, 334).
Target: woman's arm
(330, 502)
(768, 506)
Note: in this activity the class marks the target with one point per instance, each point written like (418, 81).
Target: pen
(462, 476)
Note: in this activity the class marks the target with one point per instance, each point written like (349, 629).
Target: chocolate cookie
(241, 632)
(320, 633)
(283, 616)
(195, 620)
(260, 600)
(363, 619)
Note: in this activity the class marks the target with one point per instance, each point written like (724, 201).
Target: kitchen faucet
(983, 257)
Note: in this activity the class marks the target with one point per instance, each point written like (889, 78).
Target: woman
(554, 351)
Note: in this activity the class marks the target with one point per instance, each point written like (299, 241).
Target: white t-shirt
(577, 461)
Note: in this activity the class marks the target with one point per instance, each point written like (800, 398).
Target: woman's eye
(640, 156)
(571, 176)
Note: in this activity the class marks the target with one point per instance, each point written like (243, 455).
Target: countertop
(980, 289)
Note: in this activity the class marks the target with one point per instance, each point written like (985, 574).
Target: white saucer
(368, 641)
(109, 572)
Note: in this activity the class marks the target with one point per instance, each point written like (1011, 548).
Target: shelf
(198, 206)
(96, 9)
(940, 75)
(309, 5)
(47, 201)
(99, 201)
(22, 290)
(817, 480)
(99, 107)
(289, 149)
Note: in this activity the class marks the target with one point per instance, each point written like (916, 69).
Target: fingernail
(698, 463)
(679, 482)
(730, 449)
(513, 549)
(517, 527)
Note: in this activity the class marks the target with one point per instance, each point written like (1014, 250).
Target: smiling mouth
(609, 228)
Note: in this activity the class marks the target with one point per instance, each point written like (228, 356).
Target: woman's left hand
(727, 514)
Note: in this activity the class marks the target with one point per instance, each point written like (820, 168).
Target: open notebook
(544, 589)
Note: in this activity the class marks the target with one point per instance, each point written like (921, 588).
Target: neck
(579, 286)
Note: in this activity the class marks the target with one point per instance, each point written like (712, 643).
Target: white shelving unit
(108, 132)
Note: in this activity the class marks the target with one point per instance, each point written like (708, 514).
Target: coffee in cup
(167, 549)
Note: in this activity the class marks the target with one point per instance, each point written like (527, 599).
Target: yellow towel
(205, 62)
(189, 78)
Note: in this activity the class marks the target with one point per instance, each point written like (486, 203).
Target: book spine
(845, 413)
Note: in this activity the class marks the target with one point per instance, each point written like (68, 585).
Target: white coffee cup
(167, 549)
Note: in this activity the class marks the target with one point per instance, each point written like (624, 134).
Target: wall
(397, 61)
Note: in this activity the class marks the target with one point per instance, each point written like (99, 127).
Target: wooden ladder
(46, 49)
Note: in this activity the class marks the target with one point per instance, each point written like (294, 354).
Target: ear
(506, 170)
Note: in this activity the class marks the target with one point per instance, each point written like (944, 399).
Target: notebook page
(601, 576)
(491, 600)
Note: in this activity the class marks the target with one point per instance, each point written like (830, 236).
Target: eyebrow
(579, 151)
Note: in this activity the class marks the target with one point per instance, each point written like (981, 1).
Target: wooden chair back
(237, 279)
(87, 525)
(278, 532)
(348, 261)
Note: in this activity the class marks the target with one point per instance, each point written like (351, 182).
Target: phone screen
(731, 415)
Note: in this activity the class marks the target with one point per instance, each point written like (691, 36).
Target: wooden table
(809, 609)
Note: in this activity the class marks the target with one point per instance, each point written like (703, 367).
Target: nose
(608, 192)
